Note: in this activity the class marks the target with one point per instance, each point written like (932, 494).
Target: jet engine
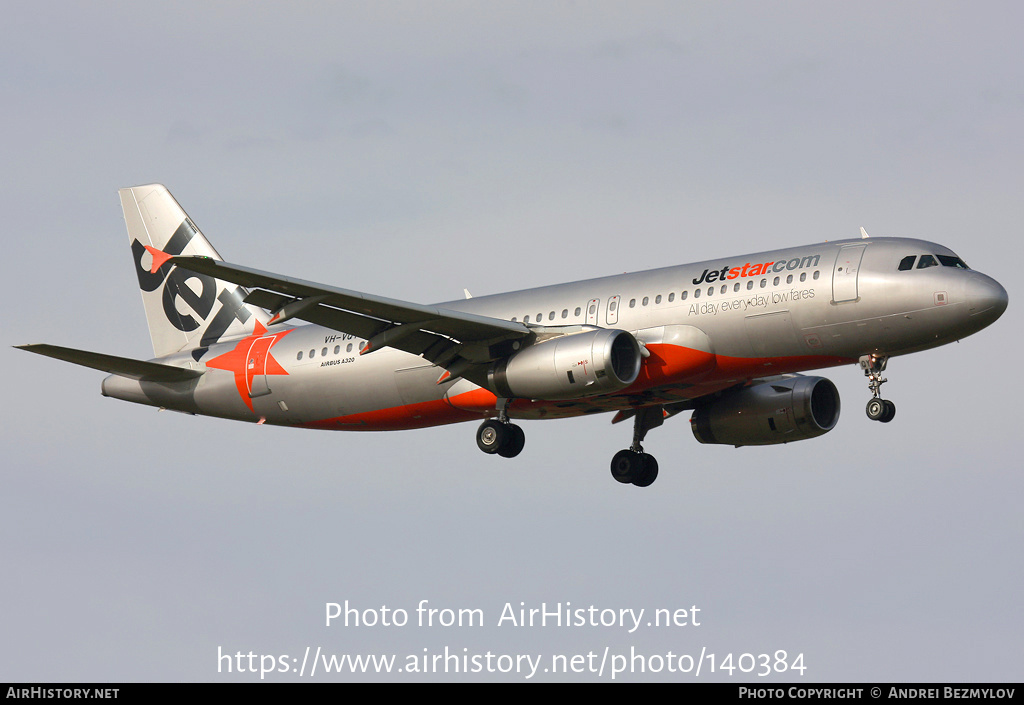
(569, 366)
(775, 411)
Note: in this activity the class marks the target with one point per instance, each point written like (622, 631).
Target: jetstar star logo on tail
(251, 362)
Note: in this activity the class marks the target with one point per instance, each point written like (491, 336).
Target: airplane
(725, 339)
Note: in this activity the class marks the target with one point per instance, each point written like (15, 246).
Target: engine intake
(776, 411)
(570, 367)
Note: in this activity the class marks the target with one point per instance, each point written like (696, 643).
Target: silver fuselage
(706, 326)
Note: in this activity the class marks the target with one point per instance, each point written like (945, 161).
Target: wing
(451, 339)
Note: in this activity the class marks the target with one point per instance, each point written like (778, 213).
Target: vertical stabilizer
(185, 310)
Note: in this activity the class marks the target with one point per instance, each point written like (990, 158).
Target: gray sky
(413, 149)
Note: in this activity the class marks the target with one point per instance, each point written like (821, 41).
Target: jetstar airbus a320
(724, 339)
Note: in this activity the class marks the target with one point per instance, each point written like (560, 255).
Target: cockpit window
(907, 263)
(951, 261)
(927, 261)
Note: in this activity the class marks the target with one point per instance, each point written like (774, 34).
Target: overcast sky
(411, 149)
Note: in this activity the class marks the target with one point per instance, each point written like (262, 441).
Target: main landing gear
(500, 436)
(878, 409)
(633, 465)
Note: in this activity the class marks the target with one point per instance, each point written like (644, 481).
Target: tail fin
(185, 310)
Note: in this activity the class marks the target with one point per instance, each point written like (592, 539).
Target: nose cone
(986, 299)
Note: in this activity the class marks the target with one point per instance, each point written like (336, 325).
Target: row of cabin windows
(613, 305)
(723, 289)
(926, 261)
(551, 315)
(323, 352)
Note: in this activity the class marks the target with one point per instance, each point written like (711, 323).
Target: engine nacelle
(570, 367)
(777, 411)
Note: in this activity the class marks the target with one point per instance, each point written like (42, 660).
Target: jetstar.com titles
(751, 269)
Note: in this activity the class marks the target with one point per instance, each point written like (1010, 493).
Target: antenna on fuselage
(863, 234)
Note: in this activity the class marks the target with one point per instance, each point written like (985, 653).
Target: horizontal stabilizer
(123, 366)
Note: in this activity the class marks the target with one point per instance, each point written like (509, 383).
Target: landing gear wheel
(890, 412)
(632, 468)
(514, 443)
(626, 465)
(491, 436)
(876, 409)
(649, 472)
(881, 410)
(504, 439)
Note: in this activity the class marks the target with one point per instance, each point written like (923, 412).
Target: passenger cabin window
(907, 263)
(657, 299)
(682, 296)
(565, 313)
(577, 310)
(644, 302)
(672, 297)
(927, 261)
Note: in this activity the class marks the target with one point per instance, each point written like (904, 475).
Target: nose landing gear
(878, 409)
(881, 410)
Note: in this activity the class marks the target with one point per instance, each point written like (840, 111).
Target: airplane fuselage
(705, 327)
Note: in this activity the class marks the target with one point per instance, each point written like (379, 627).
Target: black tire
(876, 409)
(890, 412)
(514, 442)
(491, 436)
(625, 466)
(648, 473)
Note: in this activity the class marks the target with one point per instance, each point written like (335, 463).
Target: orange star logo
(251, 361)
